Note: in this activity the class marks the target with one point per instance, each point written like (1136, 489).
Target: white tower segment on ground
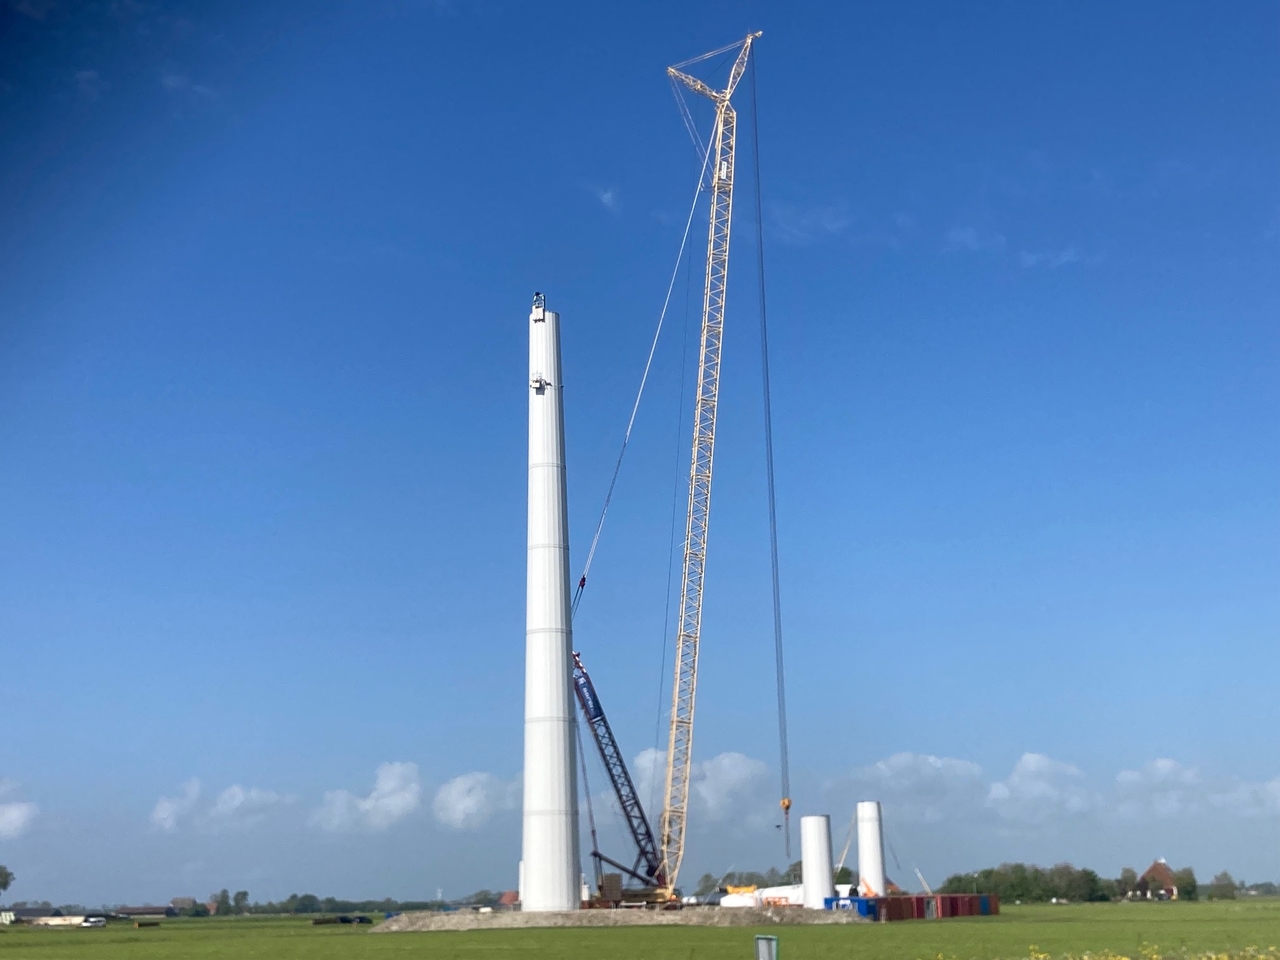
(549, 873)
(871, 882)
(815, 860)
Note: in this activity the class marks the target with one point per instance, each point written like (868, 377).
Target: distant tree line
(1032, 884)
(1226, 887)
(226, 904)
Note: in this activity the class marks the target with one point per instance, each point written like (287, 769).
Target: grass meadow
(1108, 931)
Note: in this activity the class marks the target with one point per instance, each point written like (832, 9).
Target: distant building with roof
(147, 912)
(27, 914)
(1158, 882)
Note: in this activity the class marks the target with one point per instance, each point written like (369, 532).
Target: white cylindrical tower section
(871, 882)
(550, 868)
(815, 860)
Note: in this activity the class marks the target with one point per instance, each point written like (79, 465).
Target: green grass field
(1123, 929)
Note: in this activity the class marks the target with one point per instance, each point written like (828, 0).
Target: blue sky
(264, 274)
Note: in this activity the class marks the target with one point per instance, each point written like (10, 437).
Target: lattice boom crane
(720, 170)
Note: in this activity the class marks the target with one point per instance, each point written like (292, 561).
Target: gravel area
(690, 917)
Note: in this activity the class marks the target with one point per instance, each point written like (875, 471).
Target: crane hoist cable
(784, 760)
(635, 407)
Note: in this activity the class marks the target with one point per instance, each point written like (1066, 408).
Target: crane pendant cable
(635, 407)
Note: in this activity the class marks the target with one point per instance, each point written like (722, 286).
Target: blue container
(984, 905)
(866, 907)
(838, 903)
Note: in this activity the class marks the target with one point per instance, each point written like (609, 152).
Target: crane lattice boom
(680, 742)
(648, 865)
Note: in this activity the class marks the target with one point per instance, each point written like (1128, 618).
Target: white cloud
(396, 793)
(1039, 788)
(1167, 789)
(469, 800)
(608, 197)
(921, 787)
(1049, 259)
(235, 808)
(726, 782)
(649, 771)
(1162, 788)
(720, 788)
(169, 810)
(1249, 799)
(15, 818)
(238, 809)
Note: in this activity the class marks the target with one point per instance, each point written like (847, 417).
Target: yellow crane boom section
(675, 808)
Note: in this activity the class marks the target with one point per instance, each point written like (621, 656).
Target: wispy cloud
(973, 239)
(922, 788)
(90, 84)
(237, 808)
(15, 815)
(396, 793)
(809, 223)
(720, 788)
(35, 9)
(168, 811)
(1040, 787)
(179, 84)
(15, 818)
(470, 800)
(1049, 259)
(1166, 789)
(608, 197)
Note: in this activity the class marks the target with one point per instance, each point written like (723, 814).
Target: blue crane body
(648, 863)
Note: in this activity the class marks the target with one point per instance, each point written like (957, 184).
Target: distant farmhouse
(1158, 883)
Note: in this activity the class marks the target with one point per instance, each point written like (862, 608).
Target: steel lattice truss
(680, 743)
(647, 867)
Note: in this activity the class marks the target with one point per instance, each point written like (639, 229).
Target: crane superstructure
(689, 624)
(647, 867)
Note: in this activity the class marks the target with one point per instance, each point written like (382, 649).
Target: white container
(815, 860)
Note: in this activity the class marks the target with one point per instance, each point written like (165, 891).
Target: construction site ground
(688, 917)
